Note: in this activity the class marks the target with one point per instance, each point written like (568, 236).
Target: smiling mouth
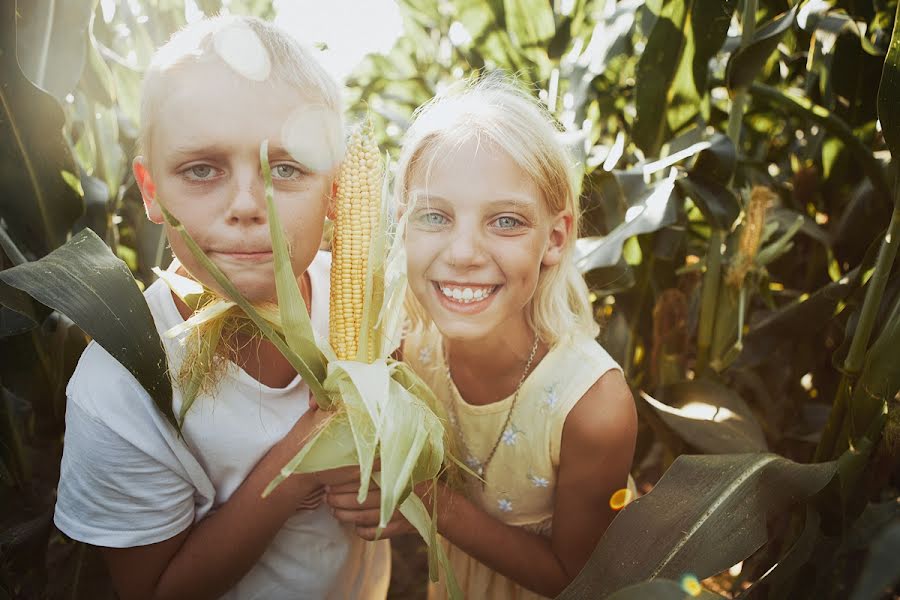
(465, 294)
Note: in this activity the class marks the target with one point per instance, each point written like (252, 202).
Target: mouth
(465, 293)
(247, 256)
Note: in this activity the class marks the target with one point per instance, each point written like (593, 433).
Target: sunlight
(347, 30)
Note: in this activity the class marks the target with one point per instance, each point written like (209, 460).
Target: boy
(183, 517)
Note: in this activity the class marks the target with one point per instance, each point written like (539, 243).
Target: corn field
(741, 219)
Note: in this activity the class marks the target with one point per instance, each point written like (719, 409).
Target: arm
(596, 452)
(208, 558)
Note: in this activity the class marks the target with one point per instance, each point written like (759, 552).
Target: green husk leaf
(267, 329)
(365, 389)
(295, 321)
(399, 451)
(201, 368)
(207, 313)
(187, 289)
(330, 447)
(415, 512)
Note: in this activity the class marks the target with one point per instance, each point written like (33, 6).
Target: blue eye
(199, 172)
(286, 172)
(433, 218)
(508, 222)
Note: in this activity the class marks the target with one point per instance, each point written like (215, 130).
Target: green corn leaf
(415, 512)
(201, 368)
(744, 65)
(296, 324)
(267, 329)
(889, 91)
(373, 296)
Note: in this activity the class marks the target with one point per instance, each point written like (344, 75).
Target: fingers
(393, 529)
(352, 487)
(347, 500)
(313, 500)
(339, 476)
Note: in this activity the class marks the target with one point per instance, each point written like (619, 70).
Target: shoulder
(604, 417)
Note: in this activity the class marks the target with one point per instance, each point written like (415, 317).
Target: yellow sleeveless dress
(521, 477)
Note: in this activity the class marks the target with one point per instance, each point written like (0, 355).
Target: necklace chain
(480, 467)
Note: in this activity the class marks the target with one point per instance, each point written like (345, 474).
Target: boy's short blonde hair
(498, 110)
(254, 48)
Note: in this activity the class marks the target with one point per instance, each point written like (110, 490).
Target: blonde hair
(252, 47)
(500, 111)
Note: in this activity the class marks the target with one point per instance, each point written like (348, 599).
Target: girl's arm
(211, 556)
(596, 451)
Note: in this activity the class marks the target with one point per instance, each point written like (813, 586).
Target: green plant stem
(856, 356)
(803, 108)
(739, 102)
(13, 441)
(636, 316)
(709, 299)
(10, 249)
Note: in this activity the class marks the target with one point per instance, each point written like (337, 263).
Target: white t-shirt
(127, 479)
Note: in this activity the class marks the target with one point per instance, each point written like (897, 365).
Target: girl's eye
(286, 172)
(507, 222)
(199, 172)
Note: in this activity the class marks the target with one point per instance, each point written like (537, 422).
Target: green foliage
(674, 110)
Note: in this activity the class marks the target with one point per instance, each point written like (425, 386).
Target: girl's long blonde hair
(500, 111)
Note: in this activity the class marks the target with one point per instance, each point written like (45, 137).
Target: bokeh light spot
(241, 49)
(620, 499)
(691, 585)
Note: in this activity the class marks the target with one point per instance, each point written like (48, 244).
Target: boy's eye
(286, 172)
(199, 172)
(433, 219)
(507, 222)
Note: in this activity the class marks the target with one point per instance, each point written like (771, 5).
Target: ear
(148, 189)
(559, 235)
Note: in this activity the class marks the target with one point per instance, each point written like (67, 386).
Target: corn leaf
(296, 324)
(364, 388)
(415, 512)
(200, 369)
(187, 289)
(267, 329)
(330, 447)
(399, 450)
(207, 313)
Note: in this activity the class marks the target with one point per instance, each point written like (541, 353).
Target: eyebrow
(218, 151)
(514, 202)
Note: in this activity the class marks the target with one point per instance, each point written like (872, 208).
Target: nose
(464, 248)
(247, 202)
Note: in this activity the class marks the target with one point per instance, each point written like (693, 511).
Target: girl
(501, 329)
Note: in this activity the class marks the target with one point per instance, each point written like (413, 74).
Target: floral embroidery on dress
(425, 355)
(540, 482)
(510, 435)
(551, 399)
(504, 504)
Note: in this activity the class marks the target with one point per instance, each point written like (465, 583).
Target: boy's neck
(257, 356)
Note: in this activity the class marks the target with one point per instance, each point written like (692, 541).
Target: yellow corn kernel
(356, 212)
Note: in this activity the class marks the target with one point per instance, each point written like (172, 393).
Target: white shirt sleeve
(114, 491)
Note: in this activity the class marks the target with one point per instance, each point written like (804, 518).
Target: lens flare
(691, 585)
(620, 499)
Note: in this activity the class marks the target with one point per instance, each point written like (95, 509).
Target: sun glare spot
(312, 134)
(240, 48)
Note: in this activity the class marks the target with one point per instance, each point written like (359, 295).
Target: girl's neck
(489, 370)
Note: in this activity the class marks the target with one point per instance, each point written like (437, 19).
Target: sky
(350, 28)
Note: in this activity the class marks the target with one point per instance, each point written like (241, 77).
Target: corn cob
(356, 213)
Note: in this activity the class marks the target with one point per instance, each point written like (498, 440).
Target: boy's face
(204, 161)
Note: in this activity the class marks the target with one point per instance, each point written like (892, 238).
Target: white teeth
(466, 295)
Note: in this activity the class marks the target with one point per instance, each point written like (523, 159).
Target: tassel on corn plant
(380, 408)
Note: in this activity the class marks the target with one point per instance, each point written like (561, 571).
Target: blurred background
(736, 182)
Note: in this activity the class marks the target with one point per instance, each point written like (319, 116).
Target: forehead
(210, 104)
(473, 171)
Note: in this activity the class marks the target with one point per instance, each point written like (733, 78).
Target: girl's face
(477, 237)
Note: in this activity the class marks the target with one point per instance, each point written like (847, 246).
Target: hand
(313, 500)
(365, 516)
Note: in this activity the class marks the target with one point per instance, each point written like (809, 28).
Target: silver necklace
(480, 466)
